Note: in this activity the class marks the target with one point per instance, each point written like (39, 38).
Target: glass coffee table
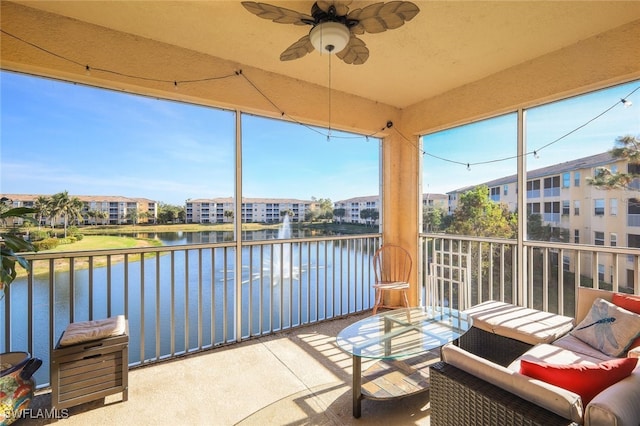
(393, 337)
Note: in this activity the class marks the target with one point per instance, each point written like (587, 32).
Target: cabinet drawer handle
(97, 345)
(92, 356)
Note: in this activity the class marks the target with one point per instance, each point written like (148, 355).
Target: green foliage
(538, 232)
(323, 209)
(477, 215)
(11, 244)
(433, 220)
(340, 213)
(47, 244)
(369, 215)
(625, 148)
(168, 213)
(38, 235)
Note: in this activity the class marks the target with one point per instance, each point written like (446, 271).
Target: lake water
(191, 295)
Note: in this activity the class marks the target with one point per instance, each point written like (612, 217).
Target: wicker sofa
(478, 382)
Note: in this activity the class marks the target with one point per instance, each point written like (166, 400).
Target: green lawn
(103, 242)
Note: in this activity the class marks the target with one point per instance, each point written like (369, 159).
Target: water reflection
(191, 294)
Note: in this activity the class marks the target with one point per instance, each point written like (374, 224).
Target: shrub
(38, 235)
(46, 244)
(68, 240)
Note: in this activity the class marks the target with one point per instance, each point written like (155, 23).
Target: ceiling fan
(334, 28)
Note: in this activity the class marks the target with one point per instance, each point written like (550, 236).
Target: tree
(365, 214)
(324, 207)
(42, 207)
(477, 215)
(539, 232)
(133, 215)
(101, 214)
(340, 214)
(168, 213)
(375, 215)
(70, 208)
(11, 244)
(625, 148)
(433, 219)
(229, 214)
(312, 215)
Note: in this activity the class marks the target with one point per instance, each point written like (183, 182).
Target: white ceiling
(447, 45)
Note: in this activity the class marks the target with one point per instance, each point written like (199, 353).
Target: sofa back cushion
(550, 397)
(584, 379)
(586, 296)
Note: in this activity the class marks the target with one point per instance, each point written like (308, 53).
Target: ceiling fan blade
(298, 49)
(277, 14)
(380, 17)
(342, 7)
(356, 52)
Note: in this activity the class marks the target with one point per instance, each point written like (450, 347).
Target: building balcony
(524, 272)
(264, 336)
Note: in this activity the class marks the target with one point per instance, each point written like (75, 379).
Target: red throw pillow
(585, 380)
(630, 303)
(627, 301)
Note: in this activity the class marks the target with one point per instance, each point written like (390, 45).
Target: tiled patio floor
(299, 377)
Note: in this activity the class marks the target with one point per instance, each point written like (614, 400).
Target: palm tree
(625, 148)
(42, 206)
(70, 208)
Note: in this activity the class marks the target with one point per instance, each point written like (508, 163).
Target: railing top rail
(539, 244)
(469, 238)
(200, 246)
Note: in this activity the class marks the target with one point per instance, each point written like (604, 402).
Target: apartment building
(261, 210)
(354, 206)
(112, 210)
(434, 201)
(562, 197)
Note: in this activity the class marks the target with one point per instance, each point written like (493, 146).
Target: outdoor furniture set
(521, 366)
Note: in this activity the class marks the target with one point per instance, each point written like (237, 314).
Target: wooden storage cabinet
(90, 370)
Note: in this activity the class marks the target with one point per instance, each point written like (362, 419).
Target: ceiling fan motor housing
(329, 37)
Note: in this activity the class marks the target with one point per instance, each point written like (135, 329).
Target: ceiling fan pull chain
(330, 98)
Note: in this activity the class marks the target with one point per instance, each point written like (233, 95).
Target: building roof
(246, 200)
(84, 198)
(591, 161)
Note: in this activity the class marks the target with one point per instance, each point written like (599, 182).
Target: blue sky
(496, 138)
(58, 136)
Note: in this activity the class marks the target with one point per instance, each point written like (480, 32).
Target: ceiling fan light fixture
(329, 37)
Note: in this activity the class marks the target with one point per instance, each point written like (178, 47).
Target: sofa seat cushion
(616, 405)
(516, 322)
(553, 354)
(573, 344)
(550, 397)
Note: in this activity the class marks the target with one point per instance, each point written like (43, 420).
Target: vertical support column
(237, 227)
(400, 206)
(522, 211)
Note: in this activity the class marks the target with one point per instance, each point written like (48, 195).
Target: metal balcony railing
(185, 299)
(189, 298)
(552, 271)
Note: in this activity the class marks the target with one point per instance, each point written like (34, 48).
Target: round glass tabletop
(403, 332)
